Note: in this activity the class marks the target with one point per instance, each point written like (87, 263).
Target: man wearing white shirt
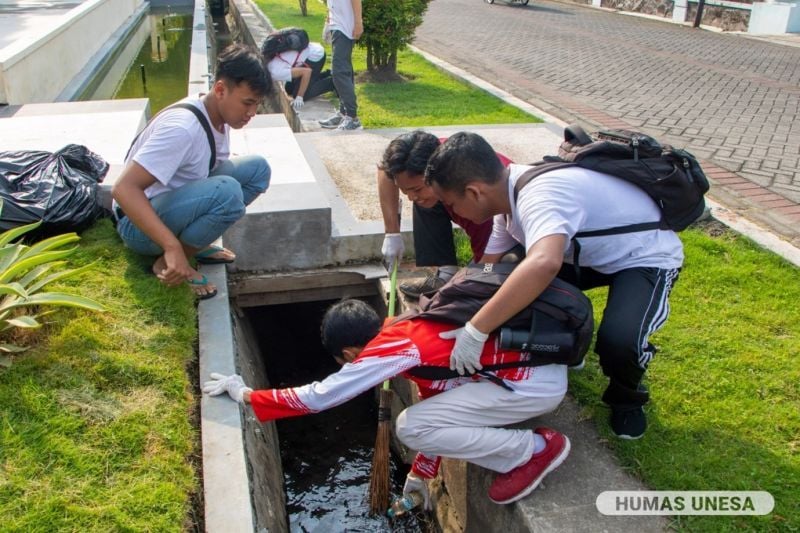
(344, 27)
(180, 189)
(639, 268)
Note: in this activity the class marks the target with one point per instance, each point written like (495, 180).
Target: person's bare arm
(524, 285)
(358, 28)
(128, 191)
(304, 73)
(389, 197)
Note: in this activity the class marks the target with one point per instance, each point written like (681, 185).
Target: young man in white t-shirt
(639, 268)
(343, 27)
(175, 196)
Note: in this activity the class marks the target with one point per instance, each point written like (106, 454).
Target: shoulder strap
(203, 122)
(206, 126)
(536, 170)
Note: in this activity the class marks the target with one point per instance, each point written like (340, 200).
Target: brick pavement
(733, 101)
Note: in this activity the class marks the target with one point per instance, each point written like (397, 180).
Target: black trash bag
(59, 188)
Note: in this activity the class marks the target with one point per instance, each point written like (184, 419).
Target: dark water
(165, 60)
(326, 456)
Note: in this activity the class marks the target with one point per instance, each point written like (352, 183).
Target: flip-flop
(201, 283)
(204, 256)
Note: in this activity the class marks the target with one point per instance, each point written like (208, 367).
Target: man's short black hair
(349, 323)
(462, 158)
(408, 152)
(239, 63)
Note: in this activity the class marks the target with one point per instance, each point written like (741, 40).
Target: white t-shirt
(174, 148)
(341, 17)
(280, 66)
(574, 199)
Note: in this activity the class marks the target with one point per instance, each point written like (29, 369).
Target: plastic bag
(59, 188)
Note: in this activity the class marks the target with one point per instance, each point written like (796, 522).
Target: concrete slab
(351, 158)
(290, 225)
(25, 21)
(104, 126)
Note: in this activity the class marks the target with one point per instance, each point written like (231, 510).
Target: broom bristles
(379, 477)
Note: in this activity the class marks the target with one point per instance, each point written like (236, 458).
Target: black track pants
(637, 306)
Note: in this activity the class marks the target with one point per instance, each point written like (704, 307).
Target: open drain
(325, 457)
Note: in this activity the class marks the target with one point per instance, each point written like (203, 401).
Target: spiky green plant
(24, 273)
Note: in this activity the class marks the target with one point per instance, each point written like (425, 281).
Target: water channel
(160, 71)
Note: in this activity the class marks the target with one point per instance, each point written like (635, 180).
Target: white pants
(462, 424)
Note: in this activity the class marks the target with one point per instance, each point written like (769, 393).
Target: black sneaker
(414, 289)
(628, 423)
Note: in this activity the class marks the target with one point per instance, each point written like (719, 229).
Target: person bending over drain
(457, 418)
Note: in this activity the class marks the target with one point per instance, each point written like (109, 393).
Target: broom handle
(392, 302)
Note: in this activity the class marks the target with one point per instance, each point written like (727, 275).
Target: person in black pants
(547, 216)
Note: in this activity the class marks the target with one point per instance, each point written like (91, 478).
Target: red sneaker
(521, 481)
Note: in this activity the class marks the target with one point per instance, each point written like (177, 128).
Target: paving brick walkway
(731, 100)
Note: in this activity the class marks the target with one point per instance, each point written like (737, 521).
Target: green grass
(95, 425)
(429, 97)
(725, 384)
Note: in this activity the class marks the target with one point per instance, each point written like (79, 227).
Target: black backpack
(557, 327)
(282, 40)
(671, 176)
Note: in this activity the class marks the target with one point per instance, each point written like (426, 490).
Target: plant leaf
(58, 298)
(13, 288)
(9, 254)
(12, 348)
(51, 243)
(9, 235)
(26, 264)
(26, 280)
(24, 322)
(59, 275)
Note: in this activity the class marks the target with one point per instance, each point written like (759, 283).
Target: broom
(379, 477)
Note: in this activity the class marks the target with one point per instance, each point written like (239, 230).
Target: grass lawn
(97, 429)
(725, 384)
(429, 98)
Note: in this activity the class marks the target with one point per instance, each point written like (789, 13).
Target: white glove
(392, 249)
(466, 355)
(233, 385)
(416, 483)
(297, 104)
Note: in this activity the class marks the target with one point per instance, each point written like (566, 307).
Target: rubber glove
(392, 249)
(297, 104)
(233, 385)
(416, 483)
(466, 355)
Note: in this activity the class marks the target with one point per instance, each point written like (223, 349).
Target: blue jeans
(200, 212)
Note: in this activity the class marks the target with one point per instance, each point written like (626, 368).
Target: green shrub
(388, 28)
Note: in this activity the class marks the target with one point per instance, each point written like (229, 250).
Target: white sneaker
(333, 121)
(349, 124)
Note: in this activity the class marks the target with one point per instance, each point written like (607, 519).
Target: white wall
(774, 18)
(38, 70)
